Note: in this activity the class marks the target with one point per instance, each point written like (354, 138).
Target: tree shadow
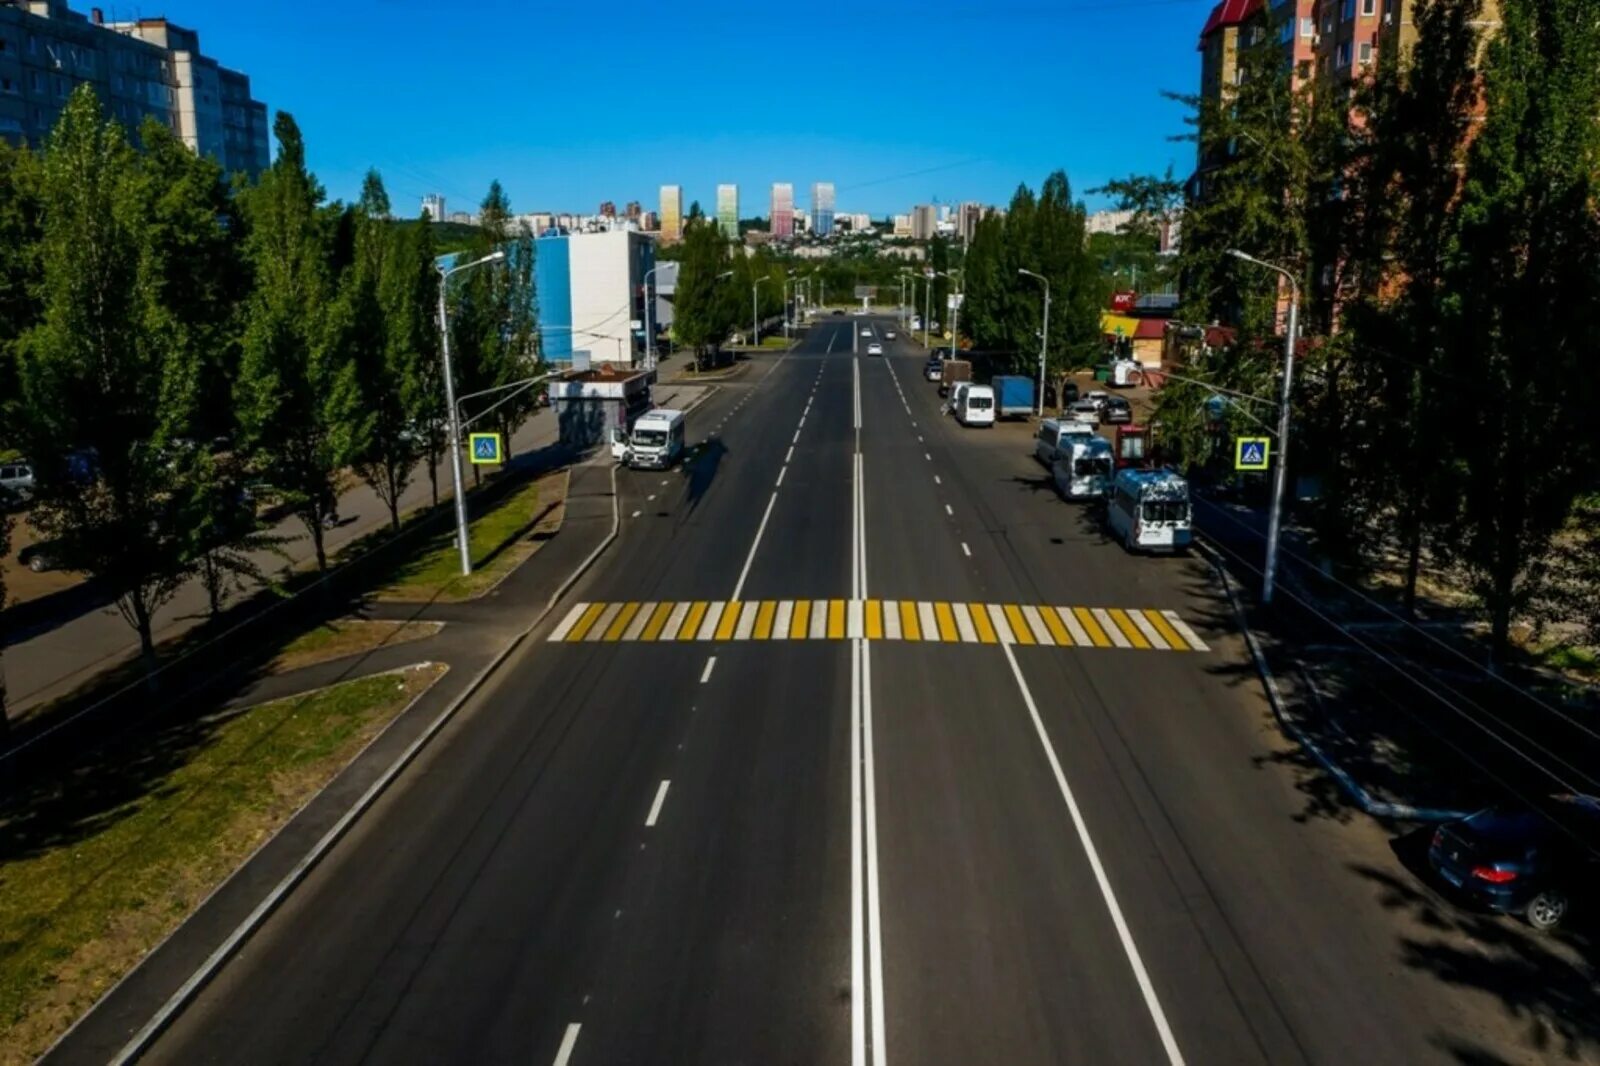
(701, 469)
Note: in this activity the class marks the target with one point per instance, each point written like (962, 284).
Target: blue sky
(569, 104)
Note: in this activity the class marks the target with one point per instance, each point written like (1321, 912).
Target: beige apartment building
(143, 68)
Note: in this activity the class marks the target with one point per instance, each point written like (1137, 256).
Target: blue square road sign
(485, 448)
(1251, 453)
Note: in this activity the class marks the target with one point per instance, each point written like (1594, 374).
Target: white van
(1055, 434)
(974, 405)
(656, 440)
(1082, 470)
(1149, 509)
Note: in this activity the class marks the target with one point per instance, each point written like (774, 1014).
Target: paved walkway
(49, 659)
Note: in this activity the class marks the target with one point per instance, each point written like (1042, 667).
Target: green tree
(20, 225)
(108, 374)
(1523, 310)
(1131, 256)
(297, 395)
(701, 309)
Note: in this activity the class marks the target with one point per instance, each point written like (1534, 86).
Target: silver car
(16, 483)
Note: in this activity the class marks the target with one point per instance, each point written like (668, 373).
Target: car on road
(1116, 411)
(838, 311)
(16, 484)
(1085, 410)
(39, 557)
(866, 331)
(1098, 397)
(889, 334)
(1521, 861)
(874, 348)
(933, 369)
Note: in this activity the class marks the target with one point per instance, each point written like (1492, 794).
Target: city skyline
(470, 123)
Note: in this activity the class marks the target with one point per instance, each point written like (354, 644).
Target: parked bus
(1082, 469)
(1149, 510)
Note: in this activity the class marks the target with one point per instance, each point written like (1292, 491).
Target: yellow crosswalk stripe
(619, 625)
(1097, 636)
(1058, 632)
(589, 618)
(908, 620)
(690, 630)
(1019, 624)
(939, 621)
(874, 620)
(980, 622)
(1129, 630)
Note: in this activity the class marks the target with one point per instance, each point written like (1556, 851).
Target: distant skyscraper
(967, 220)
(902, 225)
(782, 209)
(822, 208)
(608, 209)
(634, 210)
(924, 221)
(649, 222)
(671, 212)
(433, 203)
(728, 211)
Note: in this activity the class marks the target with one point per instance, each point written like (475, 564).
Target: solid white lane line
(751, 558)
(858, 968)
(711, 664)
(568, 1040)
(1113, 630)
(655, 808)
(1151, 1002)
(1184, 631)
(966, 550)
(874, 913)
(948, 511)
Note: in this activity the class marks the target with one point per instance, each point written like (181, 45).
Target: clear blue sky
(569, 104)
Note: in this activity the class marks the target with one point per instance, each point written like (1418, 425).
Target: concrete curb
(141, 1041)
(1360, 796)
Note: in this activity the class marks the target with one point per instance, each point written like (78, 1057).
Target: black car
(39, 557)
(837, 311)
(1115, 411)
(1521, 861)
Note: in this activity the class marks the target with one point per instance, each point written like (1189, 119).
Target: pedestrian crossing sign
(485, 448)
(1250, 453)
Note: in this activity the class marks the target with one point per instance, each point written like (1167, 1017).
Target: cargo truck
(953, 373)
(1013, 395)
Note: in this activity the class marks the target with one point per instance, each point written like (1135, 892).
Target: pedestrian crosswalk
(940, 621)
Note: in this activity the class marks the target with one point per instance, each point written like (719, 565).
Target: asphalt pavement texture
(845, 850)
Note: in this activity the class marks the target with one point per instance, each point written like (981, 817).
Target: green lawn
(512, 529)
(1580, 662)
(105, 860)
(347, 636)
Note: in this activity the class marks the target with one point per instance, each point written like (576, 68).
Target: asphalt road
(843, 850)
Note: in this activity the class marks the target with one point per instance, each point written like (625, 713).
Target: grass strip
(100, 863)
(347, 636)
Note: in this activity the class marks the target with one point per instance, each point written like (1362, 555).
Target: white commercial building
(591, 294)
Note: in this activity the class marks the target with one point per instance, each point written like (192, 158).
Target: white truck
(656, 440)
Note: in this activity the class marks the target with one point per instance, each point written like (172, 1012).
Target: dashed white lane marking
(650, 498)
(928, 457)
(789, 456)
(966, 549)
(936, 480)
(796, 439)
(655, 808)
(784, 470)
(711, 664)
(636, 514)
(949, 511)
(568, 1040)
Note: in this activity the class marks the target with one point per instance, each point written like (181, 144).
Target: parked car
(39, 557)
(16, 484)
(933, 369)
(838, 311)
(1116, 411)
(874, 348)
(1098, 397)
(889, 334)
(1085, 410)
(1521, 861)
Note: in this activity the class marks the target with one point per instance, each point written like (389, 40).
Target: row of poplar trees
(177, 346)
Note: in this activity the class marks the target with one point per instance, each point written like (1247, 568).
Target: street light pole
(1280, 473)
(649, 334)
(450, 402)
(1044, 337)
(755, 319)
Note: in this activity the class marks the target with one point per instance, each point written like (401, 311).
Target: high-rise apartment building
(728, 211)
(143, 68)
(649, 221)
(967, 220)
(671, 212)
(433, 203)
(924, 222)
(902, 225)
(607, 209)
(822, 208)
(633, 210)
(782, 209)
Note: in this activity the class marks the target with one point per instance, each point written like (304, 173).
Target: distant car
(866, 331)
(874, 348)
(1520, 861)
(933, 369)
(39, 557)
(1069, 392)
(16, 483)
(889, 334)
(1115, 411)
(838, 311)
(1098, 397)
(1085, 410)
